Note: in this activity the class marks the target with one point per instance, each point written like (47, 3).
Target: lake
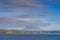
(29, 36)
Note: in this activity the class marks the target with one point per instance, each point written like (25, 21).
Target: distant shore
(5, 31)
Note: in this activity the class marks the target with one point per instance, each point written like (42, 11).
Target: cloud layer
(18, 5)
(10, 22)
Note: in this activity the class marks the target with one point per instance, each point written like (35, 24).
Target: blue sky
(18, 14)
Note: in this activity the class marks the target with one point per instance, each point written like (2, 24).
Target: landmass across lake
(6, 31)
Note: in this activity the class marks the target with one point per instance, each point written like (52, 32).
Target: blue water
(29, 37)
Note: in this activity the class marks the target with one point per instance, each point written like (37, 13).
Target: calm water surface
(29, 37)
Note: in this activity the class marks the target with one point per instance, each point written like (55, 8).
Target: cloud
(29, 3)
(55, 20)
(10, 22)
(18, 5)
(31, 15)
(36, 5)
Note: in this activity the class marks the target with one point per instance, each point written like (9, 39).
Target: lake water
(30, 37)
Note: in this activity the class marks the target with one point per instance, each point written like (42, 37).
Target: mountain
(32, 28)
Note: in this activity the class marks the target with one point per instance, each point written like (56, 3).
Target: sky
(42, 15)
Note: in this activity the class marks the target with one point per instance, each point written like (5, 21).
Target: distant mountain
(32, 28)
